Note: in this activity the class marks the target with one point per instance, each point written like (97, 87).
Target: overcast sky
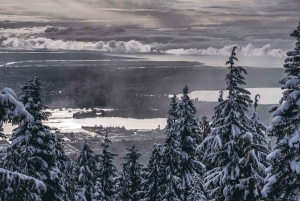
(168, 24)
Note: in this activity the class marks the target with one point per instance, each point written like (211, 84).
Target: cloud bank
(248, 50)
(131, 46)
(27, 32)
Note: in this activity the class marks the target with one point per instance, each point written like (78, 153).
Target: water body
(214, 60)
(63, 120)
(267, 95)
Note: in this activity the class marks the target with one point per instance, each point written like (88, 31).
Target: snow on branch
(16, 184)
(11, 108)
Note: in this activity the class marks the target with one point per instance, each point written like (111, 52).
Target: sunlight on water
(267, 95)
(62, 119)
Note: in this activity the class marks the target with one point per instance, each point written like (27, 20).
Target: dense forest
(229, 158)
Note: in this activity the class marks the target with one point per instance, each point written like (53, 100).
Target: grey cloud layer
(131, 46)
(189, 25)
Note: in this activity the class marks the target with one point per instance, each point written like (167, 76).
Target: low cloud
(266, 50)
(248, 50)
(27, 32)
(194, 51)
(131, 46)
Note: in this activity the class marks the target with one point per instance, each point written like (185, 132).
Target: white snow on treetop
(8, 99)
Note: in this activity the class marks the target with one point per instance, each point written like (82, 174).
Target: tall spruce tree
(15, 186)
(85, 173)
(152, 183)
(283, 180)
(232, 149)
(105, 183)
(187, 130)
(170, 158)
(130, 177)
(34, 150)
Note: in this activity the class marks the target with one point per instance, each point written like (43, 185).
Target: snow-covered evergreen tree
(34, 150)
(18, 187)
(130, 176)
(70, 177)
(152, 183)
(15, 186)
(233, 149)
(283, 180)
(170, 157)
(105, 184)
(85, 173)
(188, 132)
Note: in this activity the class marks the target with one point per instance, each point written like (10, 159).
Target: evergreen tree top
(234, 108)
(187, 124)
(86, 156)
(130, 179)
(220, 96)
(172, 115)
(257, 96)
(156, 149)
(106, 143)
(234, 78)
(232, 57)
(132, 154)
(205, 127)
(155, 157)
(186, 104)
(204, 119)
(173, 106)
(238, 99)
(185, 90)
(255, 117)
(32, 100)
